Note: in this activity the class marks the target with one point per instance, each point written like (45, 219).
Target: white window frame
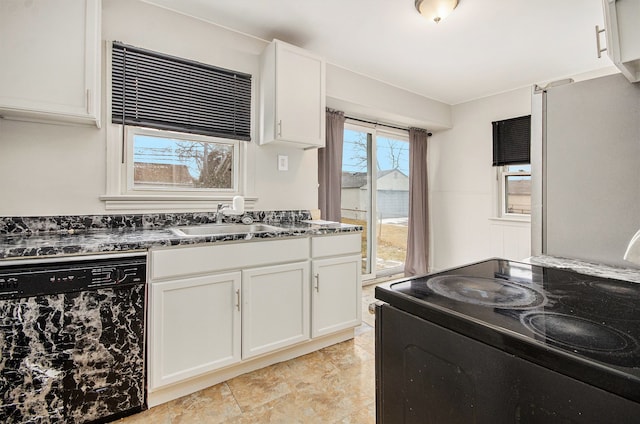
(130, 188)
(502, 173)
(120, 194)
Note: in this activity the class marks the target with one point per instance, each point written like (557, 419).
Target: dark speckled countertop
(69, 236)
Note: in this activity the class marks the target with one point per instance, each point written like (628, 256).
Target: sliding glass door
(375, 194)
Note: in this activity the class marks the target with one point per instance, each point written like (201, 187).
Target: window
(515, 190)
(511, 157)
(153, 90)
(178, 129)
(180, 162)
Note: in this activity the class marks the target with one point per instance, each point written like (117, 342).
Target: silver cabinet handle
(280, 128)
(317, 287)
(89, 105)
(598, 46)
(238, 299)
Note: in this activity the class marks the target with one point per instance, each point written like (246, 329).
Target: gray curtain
(417, 262)
(330, 167)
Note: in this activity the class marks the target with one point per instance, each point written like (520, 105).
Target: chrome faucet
(219, 212)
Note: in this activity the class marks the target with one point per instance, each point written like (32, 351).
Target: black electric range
(578, 326)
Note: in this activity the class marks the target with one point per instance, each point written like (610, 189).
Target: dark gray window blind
(154, 90)
(512, 141)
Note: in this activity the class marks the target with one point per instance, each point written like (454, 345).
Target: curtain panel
(330, 167)
(417, 261)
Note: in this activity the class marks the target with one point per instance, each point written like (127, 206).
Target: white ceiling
(484, 47)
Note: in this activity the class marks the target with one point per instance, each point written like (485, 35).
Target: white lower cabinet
(275, 307)
(219, 310)
(194, 327)
(336, 294)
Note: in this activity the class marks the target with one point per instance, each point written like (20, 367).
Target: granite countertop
(25, 244)
(588, 268)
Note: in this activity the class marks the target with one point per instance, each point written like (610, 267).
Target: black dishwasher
(72, 339)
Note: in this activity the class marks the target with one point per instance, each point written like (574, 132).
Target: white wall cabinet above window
(292, 96)
(51, 60)
(623, 36)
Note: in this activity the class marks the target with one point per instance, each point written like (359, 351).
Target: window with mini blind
(183, 122)
(154, 90)
(512, 157)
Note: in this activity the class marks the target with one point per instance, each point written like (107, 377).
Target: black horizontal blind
(512, 141)
(154, 90)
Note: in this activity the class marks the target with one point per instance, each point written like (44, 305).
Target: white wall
(364, 97)
(462, 186)
(57, 169)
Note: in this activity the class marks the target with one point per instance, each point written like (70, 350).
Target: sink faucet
(219, 213)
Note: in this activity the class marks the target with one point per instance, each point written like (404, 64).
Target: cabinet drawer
(332, 245)
(167, 263)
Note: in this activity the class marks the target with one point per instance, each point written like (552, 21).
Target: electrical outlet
(283, 163)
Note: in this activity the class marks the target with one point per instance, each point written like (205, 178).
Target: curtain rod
(381, 124)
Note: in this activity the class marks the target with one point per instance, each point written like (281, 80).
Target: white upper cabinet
(292, 96)
(622, 22)
(50, 60)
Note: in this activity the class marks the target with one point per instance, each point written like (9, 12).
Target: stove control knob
(120, 275)
(372, 306)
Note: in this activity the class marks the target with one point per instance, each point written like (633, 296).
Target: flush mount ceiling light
(436, 10)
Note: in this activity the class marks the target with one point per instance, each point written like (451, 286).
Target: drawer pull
(317, 287)
(238, 299)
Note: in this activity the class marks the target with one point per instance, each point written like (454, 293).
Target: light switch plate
(283, 163)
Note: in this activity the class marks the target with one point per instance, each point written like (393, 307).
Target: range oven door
(426, 373)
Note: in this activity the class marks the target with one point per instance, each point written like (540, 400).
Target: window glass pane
(518, 194)
(181, 164)
(518, 168)
(356, 193)
(392, 203)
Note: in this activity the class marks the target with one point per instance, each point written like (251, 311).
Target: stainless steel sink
(223, 229)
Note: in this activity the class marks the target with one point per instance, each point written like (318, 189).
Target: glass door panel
(356, 189)
(392, 204)
(375, 195)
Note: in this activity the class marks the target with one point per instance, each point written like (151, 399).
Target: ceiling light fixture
(436, 10)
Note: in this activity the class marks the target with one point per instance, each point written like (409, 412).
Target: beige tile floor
(333, 385)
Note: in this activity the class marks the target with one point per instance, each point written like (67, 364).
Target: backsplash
(84, 223)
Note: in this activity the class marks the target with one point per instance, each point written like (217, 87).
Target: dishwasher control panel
(44, 278)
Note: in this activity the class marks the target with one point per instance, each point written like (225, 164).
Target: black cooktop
(584, 326)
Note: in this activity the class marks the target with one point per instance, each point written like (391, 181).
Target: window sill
(169, 202)
(505, 219)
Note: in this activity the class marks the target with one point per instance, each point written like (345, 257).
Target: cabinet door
(300, 96)
(275, 307)
(623, 36)
(336, 294)
(50, 52)
(194, 327)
